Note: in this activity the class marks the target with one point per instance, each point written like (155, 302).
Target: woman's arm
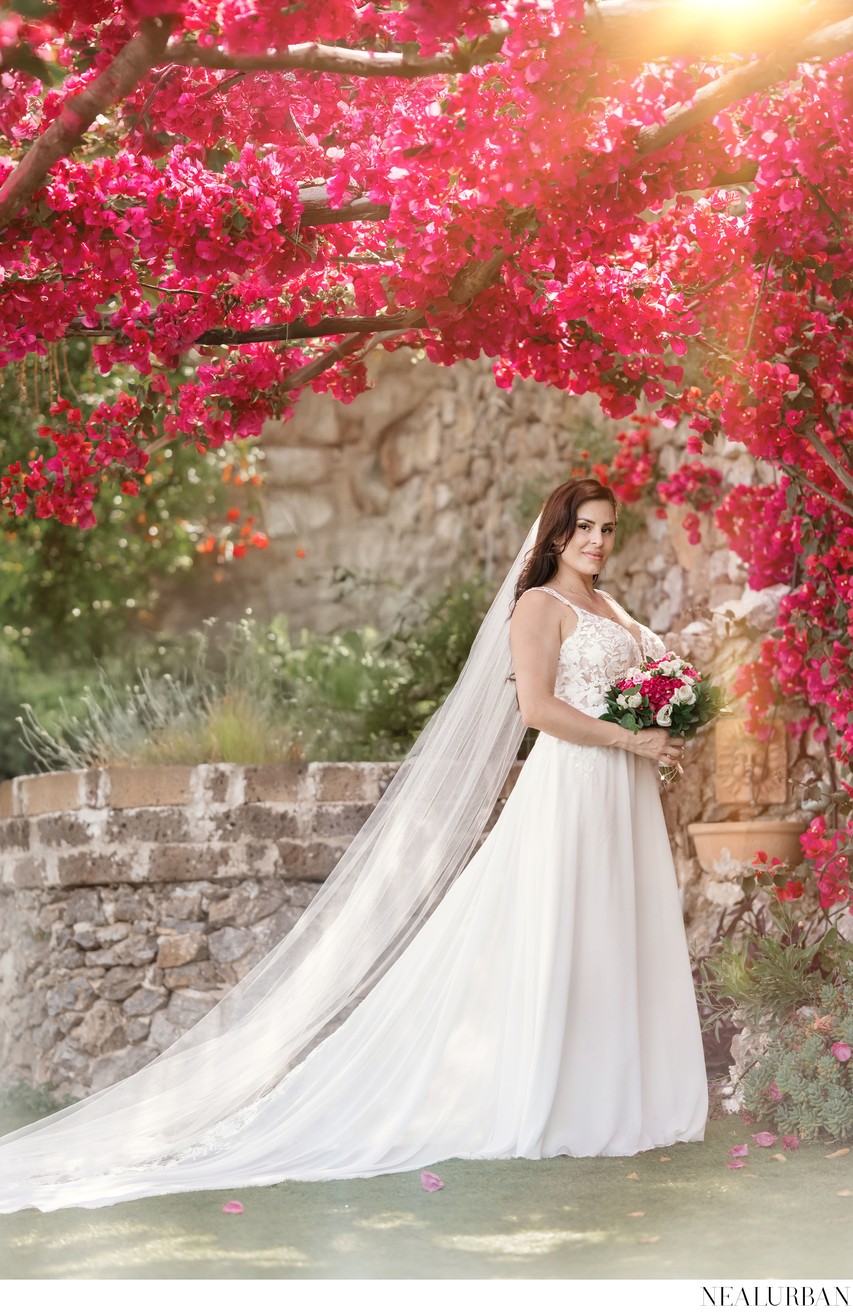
(535, 638)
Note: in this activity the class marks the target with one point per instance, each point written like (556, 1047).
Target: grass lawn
(675, 1212)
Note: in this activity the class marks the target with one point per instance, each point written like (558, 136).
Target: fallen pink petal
(739, 1150)
(431, 1182)
(765, 1139)
(735, 1164)
(233, 1208)
(841, 1051)
(790, 1141)
(774, 1092)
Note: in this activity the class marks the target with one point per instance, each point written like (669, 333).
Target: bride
(527, 998)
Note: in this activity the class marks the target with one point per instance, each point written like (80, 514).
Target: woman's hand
(657, 745)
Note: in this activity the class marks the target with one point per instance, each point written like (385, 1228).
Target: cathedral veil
(385, 886)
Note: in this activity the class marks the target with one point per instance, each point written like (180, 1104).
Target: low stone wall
(132, 899)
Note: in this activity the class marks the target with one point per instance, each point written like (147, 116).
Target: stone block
(137, 1028)
(14, 834)
(25, 871)
(183, 862)
(272, 931)
(163, 1032)
(102, 1028)
(180, 905)
(187, 1007)
(268, 821)
(69, 1020)
(156, 824)
(90, 867)
(340, 819)
(230, 944)
(289, 466)
(201, 975)
(40, 794)
(119, 982)
(84, 904)
(244, 906)
(68, 1063)
(344, 782)
(145, 1001)
(84, 936)
(7, 799)
(62, 831)
(106, 935)
(135, 950)
(150, 785)
(127, 905)
(70, 959)
(181, 949)
(282, 781)
(74, 994)
(311, 861)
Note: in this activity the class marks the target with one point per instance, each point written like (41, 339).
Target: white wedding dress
(546, 1006)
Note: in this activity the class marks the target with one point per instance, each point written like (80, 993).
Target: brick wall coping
(125, 787)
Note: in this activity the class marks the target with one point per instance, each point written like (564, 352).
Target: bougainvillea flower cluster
(267, 191)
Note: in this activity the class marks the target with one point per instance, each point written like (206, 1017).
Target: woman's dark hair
(556, 527)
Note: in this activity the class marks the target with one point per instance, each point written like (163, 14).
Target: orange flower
(239, 550)
(260, 540)
(300, 553)
(233, 514)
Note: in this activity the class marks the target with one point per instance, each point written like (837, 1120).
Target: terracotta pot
(741, 839)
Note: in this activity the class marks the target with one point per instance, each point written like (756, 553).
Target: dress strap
(552, 593)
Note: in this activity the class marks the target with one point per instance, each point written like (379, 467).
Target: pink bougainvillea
(266, 202)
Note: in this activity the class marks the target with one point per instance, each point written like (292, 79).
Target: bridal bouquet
(667, 693)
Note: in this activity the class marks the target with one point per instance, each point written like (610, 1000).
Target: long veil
(391, 877)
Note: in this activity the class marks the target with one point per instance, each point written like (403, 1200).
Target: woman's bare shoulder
(539, 613)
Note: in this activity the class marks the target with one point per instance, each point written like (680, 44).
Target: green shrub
(799, 1084)
(783, 969)
(254, 694)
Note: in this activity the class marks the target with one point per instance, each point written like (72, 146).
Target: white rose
(621, 699)
(664, 716)
(635, 700)
(685, 696)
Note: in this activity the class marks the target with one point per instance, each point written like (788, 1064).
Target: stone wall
(131, 900)
(418, 482)
(130, 904)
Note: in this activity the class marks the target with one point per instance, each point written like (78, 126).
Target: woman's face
(589, 547)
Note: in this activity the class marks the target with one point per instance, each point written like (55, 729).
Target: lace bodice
(599, 651)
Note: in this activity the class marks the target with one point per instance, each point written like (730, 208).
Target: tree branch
(841, 473)
(313, 56)
(296, 330)
(741, 82)
(797, 476)
(318, 213)
(129, 67)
